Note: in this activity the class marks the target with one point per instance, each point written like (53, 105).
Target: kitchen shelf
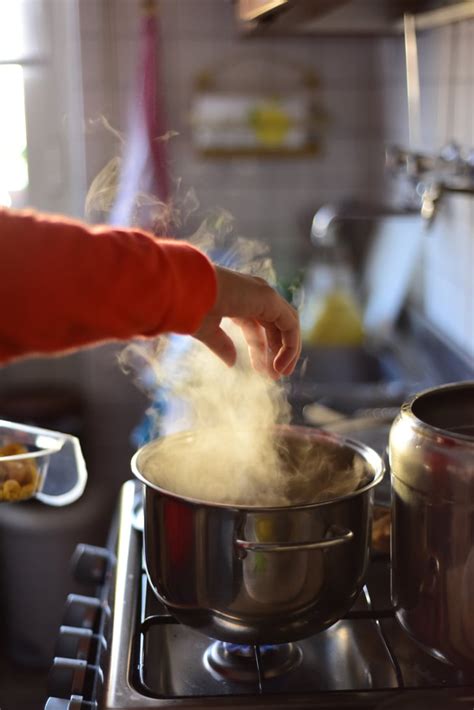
(355, 18)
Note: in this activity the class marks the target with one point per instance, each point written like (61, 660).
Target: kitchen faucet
(328, 215)
(452, 171)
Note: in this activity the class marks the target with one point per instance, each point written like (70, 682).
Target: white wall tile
(463, 55)
(390, 61)
(126, 18)
(347, 62)
(352, 112)
(395, 114)
(204, 19)
(91, 18)
(463, 113)
(434, 54)
(93, 65)
(169, 18)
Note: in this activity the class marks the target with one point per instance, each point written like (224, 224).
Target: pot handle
(340, 536)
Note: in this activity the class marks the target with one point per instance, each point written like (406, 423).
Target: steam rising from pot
(233, 455)
(232, 410)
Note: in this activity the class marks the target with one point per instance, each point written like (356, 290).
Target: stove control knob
(91, 564)
(79, 643)
(75, 702)
(67, 677)
(84, 612)
(71, 676)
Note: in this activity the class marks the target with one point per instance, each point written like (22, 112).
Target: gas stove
(120, 648)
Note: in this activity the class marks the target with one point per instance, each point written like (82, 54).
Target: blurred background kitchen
(339, 133)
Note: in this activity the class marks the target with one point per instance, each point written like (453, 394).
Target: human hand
(269, 324)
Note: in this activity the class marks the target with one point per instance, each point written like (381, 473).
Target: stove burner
(250, 664)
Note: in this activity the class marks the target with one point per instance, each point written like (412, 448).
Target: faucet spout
(323, 220)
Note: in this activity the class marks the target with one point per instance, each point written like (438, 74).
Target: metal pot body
(266, 575)
(432, 465)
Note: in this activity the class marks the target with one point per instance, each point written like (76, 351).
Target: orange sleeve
(65, 285)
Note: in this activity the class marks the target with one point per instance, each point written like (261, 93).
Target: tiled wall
(363, 88)
(272, 199)
(446, 63)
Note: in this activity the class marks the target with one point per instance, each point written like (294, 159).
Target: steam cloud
(229, 453)
(231, 412)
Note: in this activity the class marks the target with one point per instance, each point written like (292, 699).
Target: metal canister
(432, 469)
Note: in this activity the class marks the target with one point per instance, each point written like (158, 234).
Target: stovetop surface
(365, 652)
(365, 661)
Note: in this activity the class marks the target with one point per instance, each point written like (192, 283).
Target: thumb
(220, 344)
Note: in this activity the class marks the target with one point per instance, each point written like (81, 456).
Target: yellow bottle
(331, 315)
(338, 323)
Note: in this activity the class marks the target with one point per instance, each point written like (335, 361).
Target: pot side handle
(338, 537)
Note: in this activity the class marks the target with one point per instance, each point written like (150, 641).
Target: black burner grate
(364, 658)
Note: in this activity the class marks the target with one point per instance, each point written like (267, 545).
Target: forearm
(64, 285)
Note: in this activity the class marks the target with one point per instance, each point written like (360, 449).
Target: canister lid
(448, 409)
(432, 443)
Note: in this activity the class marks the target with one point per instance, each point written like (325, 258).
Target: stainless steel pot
(432, 464)
(260, 575)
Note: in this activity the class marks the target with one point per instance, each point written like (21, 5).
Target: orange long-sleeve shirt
(64, 285)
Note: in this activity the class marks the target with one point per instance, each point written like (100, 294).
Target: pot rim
(406, 412)
(369, 455)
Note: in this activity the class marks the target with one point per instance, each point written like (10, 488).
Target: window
(41, 114)
(13, 160)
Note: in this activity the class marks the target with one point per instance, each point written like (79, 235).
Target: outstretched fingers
(220, 343)
(256, 340)
(284, 346)
(283, 335)
(269, 324)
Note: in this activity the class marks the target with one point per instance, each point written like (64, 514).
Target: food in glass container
(18, 478)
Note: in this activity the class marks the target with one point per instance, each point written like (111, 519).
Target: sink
(347, 365)
(351, 378)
